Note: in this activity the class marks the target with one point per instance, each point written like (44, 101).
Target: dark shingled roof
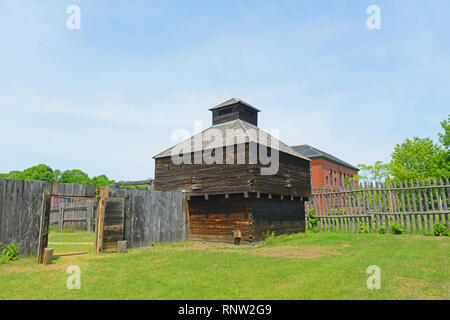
(313, 153)
(249, 133)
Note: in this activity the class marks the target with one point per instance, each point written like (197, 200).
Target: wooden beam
(104, 191)
(187, 212)
(133, 183)
(54, 188)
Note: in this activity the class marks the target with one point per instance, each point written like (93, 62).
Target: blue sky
(107, 97)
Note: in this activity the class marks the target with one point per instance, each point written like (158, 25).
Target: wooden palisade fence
(417, 206)
(78, 215)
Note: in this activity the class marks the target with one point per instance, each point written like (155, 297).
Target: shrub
(269, 238)
(440, 230)
(313, 221)
(364, 228)
(382, 230)
(9, 252)
(397, 229)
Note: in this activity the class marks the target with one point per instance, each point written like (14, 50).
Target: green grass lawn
(303, 266)
(70, 241)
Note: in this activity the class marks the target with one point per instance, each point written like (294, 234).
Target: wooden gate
(110, 224)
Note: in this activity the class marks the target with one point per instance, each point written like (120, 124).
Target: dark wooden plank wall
(291, 168)
(152, 216)
(234, 178)
(113, 225)
(20, 209)
(212, 178)
(78, 215)
(238, 112)
(215, 219)
(279, 216)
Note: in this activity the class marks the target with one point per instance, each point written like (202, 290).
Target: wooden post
(44, 226)
(89, 211)
(438, 201)
(104, 191)
(61, 216)
(48, 255)
(237, 237)
(122, 246)
(187, 211)
(444, 202)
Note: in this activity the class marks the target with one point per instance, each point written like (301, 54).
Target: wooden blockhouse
(229, 202)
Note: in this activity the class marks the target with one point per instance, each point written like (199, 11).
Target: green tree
(75, 176)
(40, 172)
(43, 172)
(419, 159)
(377, 172)
(57, 174)
(14, 175)
(102, 180)
(444, 138)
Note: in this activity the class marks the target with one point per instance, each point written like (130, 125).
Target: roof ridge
(311, 151)
(239, 123)
(232, 101)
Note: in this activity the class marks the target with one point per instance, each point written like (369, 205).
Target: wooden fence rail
(417, 206)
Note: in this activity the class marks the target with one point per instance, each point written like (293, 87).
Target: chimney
(234, 109)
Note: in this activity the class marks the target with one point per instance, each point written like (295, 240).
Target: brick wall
(321, 173)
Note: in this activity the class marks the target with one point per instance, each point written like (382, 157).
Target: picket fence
(417, 206)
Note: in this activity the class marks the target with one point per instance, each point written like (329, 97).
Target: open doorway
(76, 225)
(72, 225)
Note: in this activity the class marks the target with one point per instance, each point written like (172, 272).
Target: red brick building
(326, 169)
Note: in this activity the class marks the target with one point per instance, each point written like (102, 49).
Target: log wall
(280, 216)
(292, 178)
(215, 219)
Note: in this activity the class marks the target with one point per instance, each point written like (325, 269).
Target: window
(225, 111)
(340, 179)
(310, 173)
(331, 177)
(248, 112)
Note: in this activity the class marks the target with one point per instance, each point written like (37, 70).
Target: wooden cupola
(234, 109)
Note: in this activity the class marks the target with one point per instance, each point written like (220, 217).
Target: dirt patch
(199, 246)
(300, 252)
(416, 288)
(55, 266)
(283, 251)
